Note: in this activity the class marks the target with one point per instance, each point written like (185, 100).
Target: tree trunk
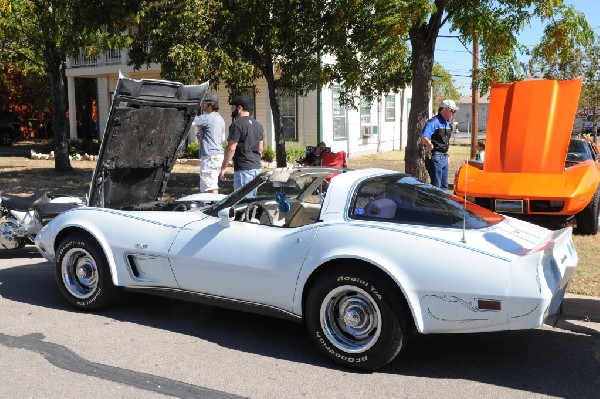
(422, 40)
(55, 67)
(280, 154)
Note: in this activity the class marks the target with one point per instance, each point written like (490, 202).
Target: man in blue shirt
(436, 139)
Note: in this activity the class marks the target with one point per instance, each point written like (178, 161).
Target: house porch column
(72, 107)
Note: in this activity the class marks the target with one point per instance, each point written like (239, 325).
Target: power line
(453, 51)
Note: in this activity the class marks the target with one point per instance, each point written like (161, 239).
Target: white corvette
(363, 258)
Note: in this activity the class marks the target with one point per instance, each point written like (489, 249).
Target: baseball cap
(241, 100)
(450, 104)
(211, 97)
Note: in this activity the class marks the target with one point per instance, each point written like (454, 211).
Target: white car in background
(363, 258)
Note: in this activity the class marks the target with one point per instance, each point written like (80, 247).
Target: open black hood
(148, 122)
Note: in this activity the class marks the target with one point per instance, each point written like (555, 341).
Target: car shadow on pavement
(28, 251)
(545, 361)
(34, 284)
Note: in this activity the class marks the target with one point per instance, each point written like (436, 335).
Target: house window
(390, 107)
(365, 112)
(339, 115)
(366, 130)
(289, 109)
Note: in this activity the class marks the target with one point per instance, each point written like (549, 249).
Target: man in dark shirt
(244, 143)
(436, 138)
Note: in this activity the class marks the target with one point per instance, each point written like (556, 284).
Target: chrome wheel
(79, 273)
(351, 319)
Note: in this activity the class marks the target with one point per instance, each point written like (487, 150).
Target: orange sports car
(533, 168)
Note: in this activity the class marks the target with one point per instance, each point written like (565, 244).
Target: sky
(457, 59)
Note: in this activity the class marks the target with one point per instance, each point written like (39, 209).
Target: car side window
(404, 199)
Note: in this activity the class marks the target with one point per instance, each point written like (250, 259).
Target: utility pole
(474, 98)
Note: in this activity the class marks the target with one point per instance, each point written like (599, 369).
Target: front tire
(357, 317)
(589, 218)
(83, 275)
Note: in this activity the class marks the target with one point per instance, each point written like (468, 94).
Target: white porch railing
(110, 57)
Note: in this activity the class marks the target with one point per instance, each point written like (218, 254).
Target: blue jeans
(437, 167)
(243, 177)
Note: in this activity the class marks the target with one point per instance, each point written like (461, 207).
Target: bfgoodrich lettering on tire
(357, 317)
(82, 273)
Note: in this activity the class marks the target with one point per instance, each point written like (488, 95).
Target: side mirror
(224, 218)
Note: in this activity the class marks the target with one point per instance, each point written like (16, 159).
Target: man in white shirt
(211, 136)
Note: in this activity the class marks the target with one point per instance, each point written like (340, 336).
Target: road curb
(581, 306)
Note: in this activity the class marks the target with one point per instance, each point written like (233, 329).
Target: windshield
(306, 188)
(404, 199)
(578, 151)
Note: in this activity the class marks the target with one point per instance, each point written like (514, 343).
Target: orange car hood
(529, 125)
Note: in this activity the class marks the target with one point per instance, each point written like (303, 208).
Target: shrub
(193, 150)
(84, 146)
(294, 152)
(47, 146)
(76, 146)
(268, 154)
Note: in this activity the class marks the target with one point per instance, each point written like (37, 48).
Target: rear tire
(83, 275)
(589, 218)
(357, 317)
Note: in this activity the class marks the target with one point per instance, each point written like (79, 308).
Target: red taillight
(489, 304)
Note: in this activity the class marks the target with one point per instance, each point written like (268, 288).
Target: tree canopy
(236, 41)
(561, 57)
(443, 88)
(38, 35)
(377, 46)
(368, 44)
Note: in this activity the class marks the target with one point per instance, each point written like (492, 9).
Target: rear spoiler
(557, 238)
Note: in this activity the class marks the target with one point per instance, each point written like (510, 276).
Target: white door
(245, 261)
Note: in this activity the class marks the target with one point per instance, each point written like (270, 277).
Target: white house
(377, 127)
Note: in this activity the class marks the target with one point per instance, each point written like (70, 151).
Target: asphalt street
(151, 347)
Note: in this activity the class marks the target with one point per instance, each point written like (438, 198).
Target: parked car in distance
(363, 258)
(9, 128)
